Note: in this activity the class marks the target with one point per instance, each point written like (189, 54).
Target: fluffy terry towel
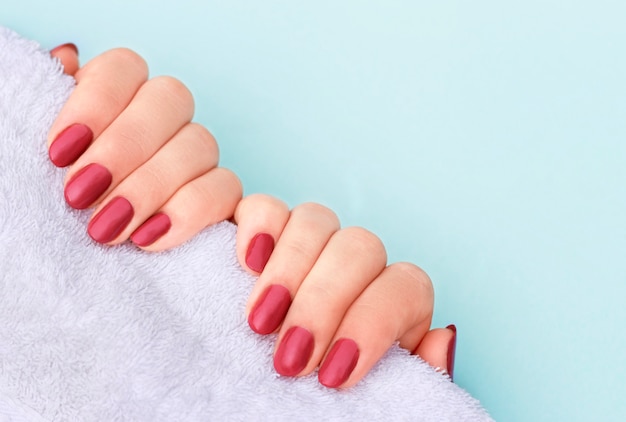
(115, 334)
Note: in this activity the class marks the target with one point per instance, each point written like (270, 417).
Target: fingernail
(339, 363)
(87, 185)
(151, 230)
(111, 221)
(70, 144)
(270, 309)
(259, 251)
(294, 352)
(451, 351)
(58, 47)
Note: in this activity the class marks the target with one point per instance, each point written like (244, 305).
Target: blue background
(484, 141)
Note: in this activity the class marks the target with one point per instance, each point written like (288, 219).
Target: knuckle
(230, 181)
(130, 59)
(110, 98)
(128, 65)
(263, 200)
(320, 212)
(253, 202)
(131, 141)
(302, 250)
(324, 293)
(175, 91)
(205, 139)
(198, 195)
(366, 242)
(157, 183)
(414, 274)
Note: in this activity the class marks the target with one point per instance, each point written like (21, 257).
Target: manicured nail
(339, 363)
(294, 352)
(87, 185)
(58, 47)
(70, 144)
(259, 251)
(111, 220)
(151, 230)
(270, 309)
(451, 351)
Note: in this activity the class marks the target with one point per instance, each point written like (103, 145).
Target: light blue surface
(483, 141)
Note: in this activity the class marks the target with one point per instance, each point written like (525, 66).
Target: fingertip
(151, 230)
(339, 363)
(270, 309)
(259, 251)
(261, 220)
(68, 55)
(438, 348)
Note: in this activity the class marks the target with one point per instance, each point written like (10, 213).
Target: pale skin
(337, 280)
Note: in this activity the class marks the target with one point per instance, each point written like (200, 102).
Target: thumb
(68, 54)
(438, 348)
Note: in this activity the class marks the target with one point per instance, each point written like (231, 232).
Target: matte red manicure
(270, 309)
(70, 144)
(151, 230)
(339, 363)
(87, 185)
(294, 351)
(259, 251)
(451, 351)
(111, 220)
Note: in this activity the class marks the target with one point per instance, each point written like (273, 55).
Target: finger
(352, 258)
(162, 106)
(206, 200)
(307, 232)
(438, 348)
(261, 220)
(396, 306)
(105, 86)
(189, 154)
(68, 55)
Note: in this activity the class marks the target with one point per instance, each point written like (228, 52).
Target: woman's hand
(330, 294)
(153, 176)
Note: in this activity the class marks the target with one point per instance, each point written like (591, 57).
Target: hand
(330, 295)
(328, 292)
(151, 174)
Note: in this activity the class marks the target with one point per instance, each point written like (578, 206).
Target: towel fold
(94, 333)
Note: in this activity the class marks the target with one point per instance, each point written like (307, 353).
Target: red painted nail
(58, 47)
(151, 230)
(111, 220)
(270, 309)
(451, 351)
(294, 351)
(259, 251)
(87, 185)
(70, 144)
(339, 363)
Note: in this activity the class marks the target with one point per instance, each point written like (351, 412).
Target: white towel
(94, 333)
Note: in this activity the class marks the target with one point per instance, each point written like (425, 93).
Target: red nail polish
(70, 144)
(294, 351)
(339, 363)
(270, 309)
(111, 220)
(259, 251)
(151, 230)
(451, 351)
(58, 47)
(87, 185)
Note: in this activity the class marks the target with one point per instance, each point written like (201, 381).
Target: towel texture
(92, 333)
